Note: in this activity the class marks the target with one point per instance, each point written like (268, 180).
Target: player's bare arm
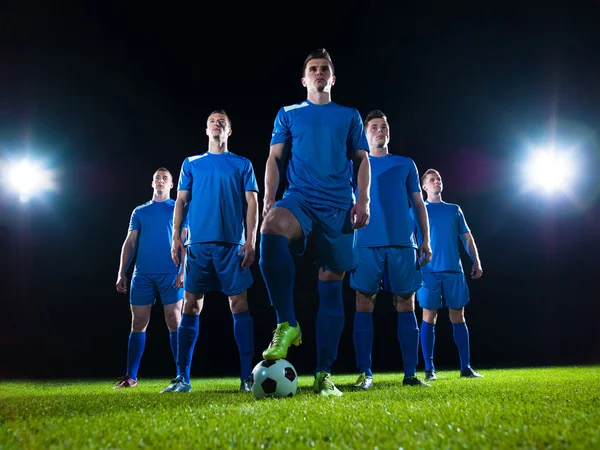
(181, 204)
(424, 251)
(179, 279)
(127, 251)
(273, 174)
(471, 248)
(361, 211)
(249, 247)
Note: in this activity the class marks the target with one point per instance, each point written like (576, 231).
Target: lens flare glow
(550, 170)
(29, 179)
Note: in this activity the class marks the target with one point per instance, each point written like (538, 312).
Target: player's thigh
(403, 272)
(289, 217)
(228, 267)
(335, 239)
(366, 277)
(169, 294)
(455, 290)
(143, 290)
(200, 275)
(430, 294)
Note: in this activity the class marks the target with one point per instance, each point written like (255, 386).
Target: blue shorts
(145, 288)
(215, 266)
(443, 289)
(332, 228)
(390, 269)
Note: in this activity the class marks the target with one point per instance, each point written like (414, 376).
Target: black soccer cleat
(414, 381)
(469, 373)
(430, 375)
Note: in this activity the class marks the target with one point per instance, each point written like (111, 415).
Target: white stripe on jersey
(291, 107)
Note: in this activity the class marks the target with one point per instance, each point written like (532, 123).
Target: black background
(107, 94)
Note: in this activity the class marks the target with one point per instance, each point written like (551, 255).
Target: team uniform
(387, 250)
(322, 139)
(217, 209)
(444, 282)
(155, 272)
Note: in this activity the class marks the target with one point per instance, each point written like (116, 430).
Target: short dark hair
(319, 53)
(427, 172)
(374, 114)
(221, 111)
(164, 169)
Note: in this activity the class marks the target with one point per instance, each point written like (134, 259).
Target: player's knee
(457, 315)
(139, 324)
(365, 302)
(430, 315)
(238, 304)
(404, 303)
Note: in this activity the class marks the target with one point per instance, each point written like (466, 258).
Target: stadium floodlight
(29, 179)
(549, 170)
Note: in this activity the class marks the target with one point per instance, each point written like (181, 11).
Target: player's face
(162, 181)
(378, 133)
(318, 76)
(217, 127)
(433, 183)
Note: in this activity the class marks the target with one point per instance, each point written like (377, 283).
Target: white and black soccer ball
(274, 378)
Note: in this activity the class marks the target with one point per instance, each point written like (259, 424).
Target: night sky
(107, 94)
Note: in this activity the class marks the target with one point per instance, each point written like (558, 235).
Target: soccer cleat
(283, 336)
(246, 385)
(430, 375)
(364, 382)
(469, 373)
(125, 382)
(178, 384)
(414, 381)
(324, 386)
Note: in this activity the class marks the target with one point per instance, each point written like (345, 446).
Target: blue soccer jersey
(322, 139)
(217, 204)
(154, 224)
(446, 224)
(393, 180)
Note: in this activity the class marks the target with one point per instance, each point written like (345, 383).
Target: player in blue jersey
(155, 274)
(444, 282)
(327, 148)
(390, 259)
(218, 191)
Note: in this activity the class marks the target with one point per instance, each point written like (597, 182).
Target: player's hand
(360, 214)
(267, 205)
(249, 253)
(476, 271)
(122, 284)
(176, 249)
(424, 253)
(178, 281)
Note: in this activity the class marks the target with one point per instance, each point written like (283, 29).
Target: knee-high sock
(278, 271)
(187, 334)
(173, 341)
(427, 343)
(363, 341)
(243, 331)
(330, 323)
(461, 338)
(135, 350)
(408, 336)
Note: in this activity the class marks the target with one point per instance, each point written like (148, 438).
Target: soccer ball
(276, 378)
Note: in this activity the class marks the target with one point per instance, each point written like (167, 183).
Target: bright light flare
(550, 170)
(29, 179)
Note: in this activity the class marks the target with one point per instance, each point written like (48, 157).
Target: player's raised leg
(279, 228)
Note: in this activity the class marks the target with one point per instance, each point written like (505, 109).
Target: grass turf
(556, 407)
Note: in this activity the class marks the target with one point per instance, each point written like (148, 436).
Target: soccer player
(155, 274)
(389, 257)
(444, 282)
(327, 148)
(218, 191)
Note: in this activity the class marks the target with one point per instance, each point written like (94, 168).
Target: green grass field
(517, 408)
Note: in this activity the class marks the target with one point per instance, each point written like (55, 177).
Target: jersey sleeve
(134, 222)
(412, 181)
(185, 176)
(357, 139)
(249, 179)
(462, 223)
(281, 129)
